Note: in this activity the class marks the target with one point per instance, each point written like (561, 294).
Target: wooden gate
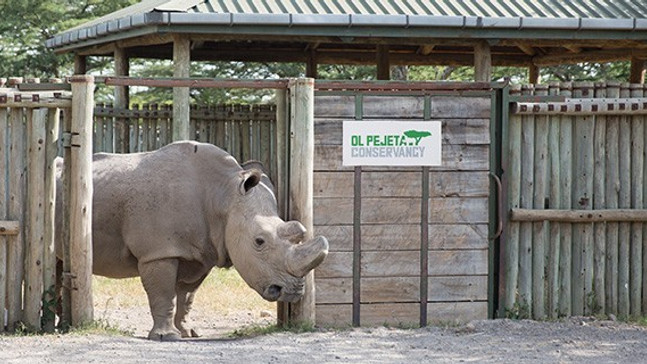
(29, 144)
(408, 245)
(575, 178)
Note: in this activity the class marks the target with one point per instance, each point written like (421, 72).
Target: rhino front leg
(185, 295)
(158, 278)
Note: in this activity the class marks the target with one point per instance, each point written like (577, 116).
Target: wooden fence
(246, 131)
(576, 189)
(29, 144)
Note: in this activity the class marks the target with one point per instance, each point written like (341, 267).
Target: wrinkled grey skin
(171, 215)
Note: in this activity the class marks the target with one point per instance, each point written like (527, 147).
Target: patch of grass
(259, 330)
(222, 291)
(100, 327)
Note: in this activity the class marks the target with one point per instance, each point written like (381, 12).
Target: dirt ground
(576, 340)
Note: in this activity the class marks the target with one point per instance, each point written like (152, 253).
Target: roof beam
(605, 55)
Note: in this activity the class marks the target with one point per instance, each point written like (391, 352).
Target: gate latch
(68, 139)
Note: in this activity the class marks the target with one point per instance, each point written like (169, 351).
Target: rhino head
(270, 254)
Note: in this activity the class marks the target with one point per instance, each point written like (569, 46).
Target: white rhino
(171, 215)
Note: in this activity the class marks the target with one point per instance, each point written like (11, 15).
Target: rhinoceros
(171, 215)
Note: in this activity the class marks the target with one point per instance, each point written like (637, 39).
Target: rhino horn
(293, 231)
(305, 257)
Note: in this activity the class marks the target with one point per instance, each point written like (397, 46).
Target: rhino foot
(164, 336)
(189, 333)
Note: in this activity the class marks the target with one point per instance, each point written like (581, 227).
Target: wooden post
(566, 230)
(637, 167)
(525, 230)
(624, 201)
(80, 64)
(301, 177)
(482, 62)
(122, 100)
(181, 63)
(35, 196)
(612, 181)
(383, 64)
(540, 229)
(637, 73)
(49, 258)
(15, 251)
(311, 65)
(599, 202)
(3, 215)
(282, 174)
(533, 74)
(514, 195)
(81, 198)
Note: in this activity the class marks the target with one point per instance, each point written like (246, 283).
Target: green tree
(27, 24)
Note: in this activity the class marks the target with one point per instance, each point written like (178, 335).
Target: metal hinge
(68, 138)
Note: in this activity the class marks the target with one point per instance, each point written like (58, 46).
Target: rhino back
(160, 204)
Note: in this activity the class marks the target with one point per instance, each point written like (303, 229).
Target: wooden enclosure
(248, 132)
(576, 173)
(29, 144)
(408, 245)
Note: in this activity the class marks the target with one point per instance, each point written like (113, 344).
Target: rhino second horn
(293, 231)
(305, 257)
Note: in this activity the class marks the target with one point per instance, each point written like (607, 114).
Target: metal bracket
(68, 279)
(68, 140)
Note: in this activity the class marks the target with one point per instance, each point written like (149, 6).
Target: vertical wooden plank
(525, 231)
(539, 199)
(637, 70)
(4, 130)
(266, 145)
(36, 136)
(637, 165)
(146, 127)
(281, 179)
(15, 252)
(357, 226)
(612, 184)
(98, 133)
(554, 203)
(181, 63)
(624, 201)
(514, 195)
(599, 202)
(49, 258)
(566, 229)
(583, 200)
(301, 175)
(110, 133)
(81, 199)
(246, 144)
(644, 247)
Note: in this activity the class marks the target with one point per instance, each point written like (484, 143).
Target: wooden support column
(80, 64)
(80, 201)
(181, 63)
(311, 64)
(482, 62)
(122, 100)
(301, 181)
(533, 74)
(637, 74)
(383, 65)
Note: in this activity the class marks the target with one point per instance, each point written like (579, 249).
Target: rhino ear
(250, 178)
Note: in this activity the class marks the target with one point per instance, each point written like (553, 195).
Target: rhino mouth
(278, 293)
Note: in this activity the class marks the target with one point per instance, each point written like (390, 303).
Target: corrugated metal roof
(612, 9)
(509, 15)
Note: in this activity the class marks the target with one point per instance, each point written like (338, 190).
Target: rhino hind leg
(158, 278)
(185, 295)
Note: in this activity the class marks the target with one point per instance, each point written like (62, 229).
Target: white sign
(392, 143)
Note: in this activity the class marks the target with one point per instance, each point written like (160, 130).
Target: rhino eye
(259, 241)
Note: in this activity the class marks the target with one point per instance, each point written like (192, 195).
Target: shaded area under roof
(520, 32)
